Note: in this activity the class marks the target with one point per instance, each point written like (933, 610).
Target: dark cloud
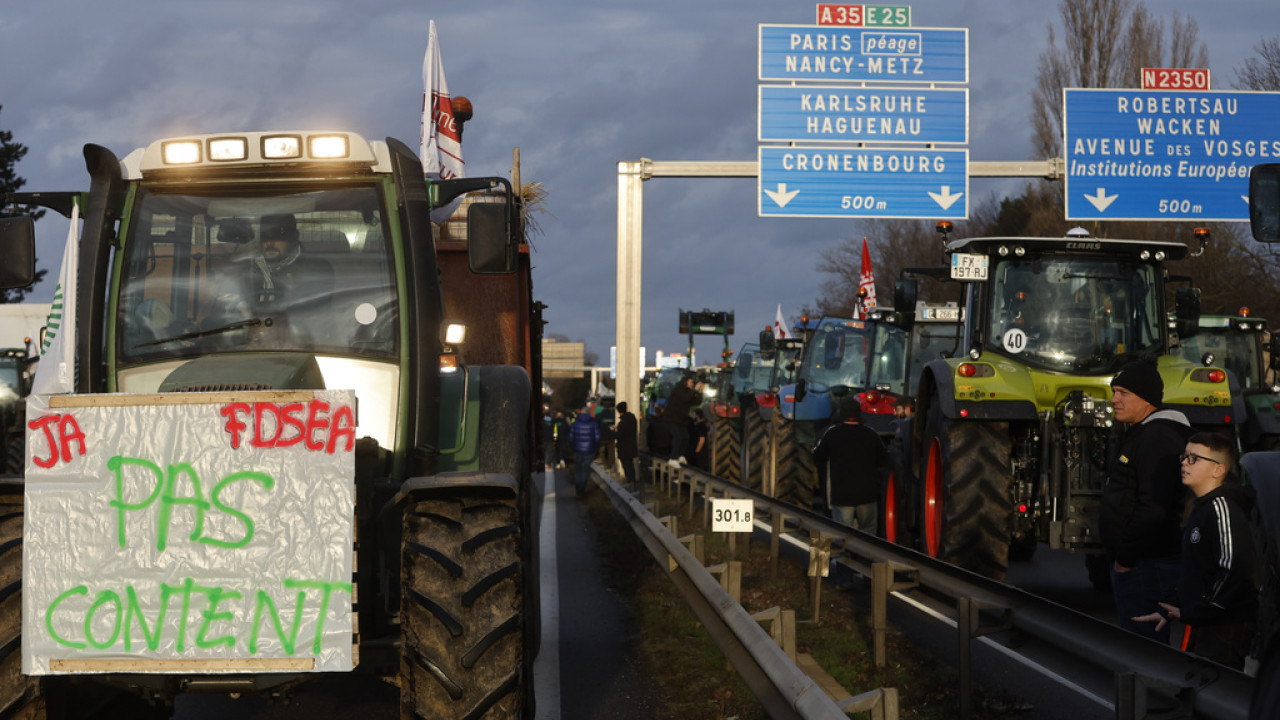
(577, 86)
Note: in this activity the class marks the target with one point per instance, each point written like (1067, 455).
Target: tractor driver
(282, 276)
(283, 288)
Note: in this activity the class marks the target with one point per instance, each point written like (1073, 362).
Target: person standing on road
(561, 431)
(627, 443)
(606, 418)
(1216, 597)
(850, 458)
(700, 438)
(683, 397)
(1142, 499)
(584, 438)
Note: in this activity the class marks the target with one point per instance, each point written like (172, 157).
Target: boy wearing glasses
(1216, 598)
(1142, 500)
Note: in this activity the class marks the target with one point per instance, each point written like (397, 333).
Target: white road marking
(546, 668)
(1023, 660)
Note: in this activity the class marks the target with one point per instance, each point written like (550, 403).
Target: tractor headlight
(281, 147)
(181, 152)
(328, 147)
(228, 149)
(455, 334)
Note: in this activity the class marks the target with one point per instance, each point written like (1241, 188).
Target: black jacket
(1143, 497)
(627, 446)
(849, 458)
(682, 398)
(1218, 559)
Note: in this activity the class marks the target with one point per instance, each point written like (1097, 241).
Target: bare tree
(894, 245)
(1092, 58)
(1262, 72)
(1234, 272)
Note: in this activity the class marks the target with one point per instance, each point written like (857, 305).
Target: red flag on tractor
(866, 284)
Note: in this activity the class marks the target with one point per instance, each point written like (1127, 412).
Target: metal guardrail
(782, 688)
(1140, 666)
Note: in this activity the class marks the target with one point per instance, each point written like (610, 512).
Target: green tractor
(187, 299)
(1238, 343)
(1011, 435)
(15, 383)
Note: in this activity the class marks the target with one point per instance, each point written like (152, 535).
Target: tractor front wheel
(966, 507)
(462, 609)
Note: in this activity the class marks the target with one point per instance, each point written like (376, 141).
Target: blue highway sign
(825, 53)
(849, 182)
(826, 113)
(1165, 154)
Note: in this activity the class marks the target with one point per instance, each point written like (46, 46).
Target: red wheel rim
(933, 499)
(891, 509)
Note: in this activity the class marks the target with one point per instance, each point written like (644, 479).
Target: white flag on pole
(56, 373)
(780, 330)
(441, 146)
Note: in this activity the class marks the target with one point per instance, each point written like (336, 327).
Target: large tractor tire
(797, 478)
(462, 609)
(726, 448)
(755, 449)
(21, 696)
(966, 507)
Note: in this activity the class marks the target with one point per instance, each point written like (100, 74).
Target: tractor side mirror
(768, 345)
(1264, 202)
(905, 292)
(802, 389)
(18, 248)
(491, 245)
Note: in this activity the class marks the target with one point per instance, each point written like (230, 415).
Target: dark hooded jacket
(1143, 498)
(1218, 557)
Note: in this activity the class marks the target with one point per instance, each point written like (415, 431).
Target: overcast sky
(578, 86)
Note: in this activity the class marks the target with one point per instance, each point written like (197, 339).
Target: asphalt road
(585, 669)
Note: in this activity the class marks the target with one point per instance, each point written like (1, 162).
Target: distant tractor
(875, 360)
(1239, 344)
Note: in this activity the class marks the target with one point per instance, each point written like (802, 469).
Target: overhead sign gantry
(1165, 154)
(855, 149)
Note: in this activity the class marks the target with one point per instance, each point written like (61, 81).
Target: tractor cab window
(929, 342)
(888, 362)
(785, 365)
(1073, 314)
(837, 355)
(752, 372)
(303, 271)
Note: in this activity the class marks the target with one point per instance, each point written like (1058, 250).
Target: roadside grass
(693, 677)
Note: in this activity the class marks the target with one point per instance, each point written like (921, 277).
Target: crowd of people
(1183, 519)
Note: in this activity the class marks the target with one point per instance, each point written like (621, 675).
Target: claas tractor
(1011, 435)
(1240, 344)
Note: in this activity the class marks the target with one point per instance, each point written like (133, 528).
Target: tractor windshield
(307, 270)
(1082, 315)
(752, 372)
(1236, 351)
(837, 354)
(786, 363)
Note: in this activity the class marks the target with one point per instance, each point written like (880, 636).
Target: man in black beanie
(1143, 497)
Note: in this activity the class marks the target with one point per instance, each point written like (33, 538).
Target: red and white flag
(441, 142)
(866, 284)
(780, 326)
